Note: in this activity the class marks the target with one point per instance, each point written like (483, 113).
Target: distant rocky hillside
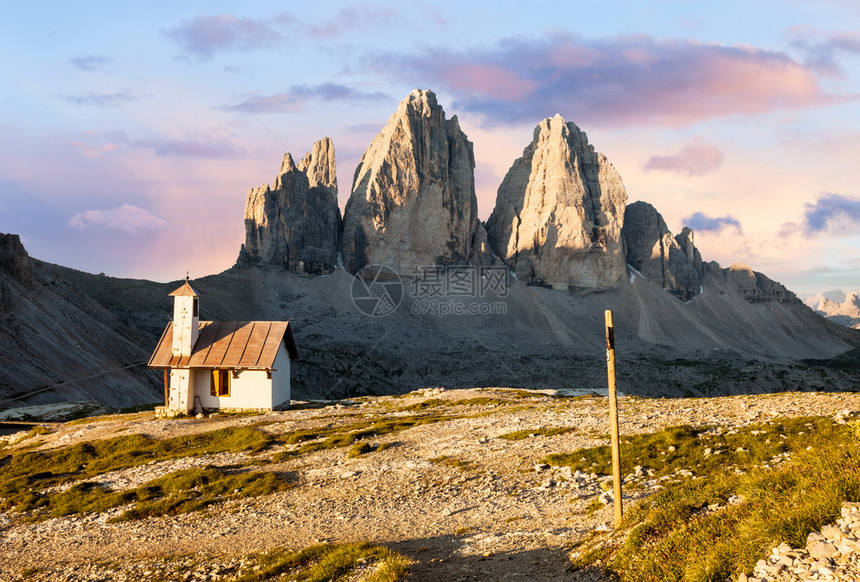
(517, 302)
(57, 342)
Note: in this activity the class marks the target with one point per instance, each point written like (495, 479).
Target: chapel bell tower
(186, 319)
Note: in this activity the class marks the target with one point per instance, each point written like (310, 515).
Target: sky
(132, 132)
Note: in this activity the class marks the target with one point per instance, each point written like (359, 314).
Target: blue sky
(132, 134)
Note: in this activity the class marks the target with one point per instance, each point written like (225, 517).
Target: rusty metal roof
(244, 345)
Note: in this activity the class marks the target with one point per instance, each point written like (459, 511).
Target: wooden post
(613, 418)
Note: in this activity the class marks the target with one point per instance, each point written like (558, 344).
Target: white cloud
(126, 218)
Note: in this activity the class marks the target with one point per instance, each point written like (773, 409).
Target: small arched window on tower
(195, 307)
(219, 383)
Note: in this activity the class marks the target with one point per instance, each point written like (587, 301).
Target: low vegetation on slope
(29, 481)
(751, 489)
(57, 482)
(329, 562)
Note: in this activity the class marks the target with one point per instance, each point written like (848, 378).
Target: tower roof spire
(185, 290)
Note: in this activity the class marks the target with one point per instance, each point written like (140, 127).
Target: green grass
(23, 475)
(477, 401)
(319, 439)
(324, 563)
(139, 408)
(178, 492)
(195, 489)
(454, 462)
(745, 447)
(524, 434)
(712, 528)
(359, 449)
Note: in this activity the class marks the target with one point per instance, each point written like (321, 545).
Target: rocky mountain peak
(319, 166)
(413, 195)
(559, 211)
(295, 223)
(288, 166)
(673, 262)
(850, 307)
(844, 313)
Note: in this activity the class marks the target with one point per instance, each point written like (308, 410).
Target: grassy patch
(425, 404)
(712, 529)
(524, 434)
(701, 450)
(34, 432)
(343, 436)
(178, 492)
(139, 408)
(519, 393)
(359, 449)
(330, 562)
(477, 401)
(454, 462)
(23, 475)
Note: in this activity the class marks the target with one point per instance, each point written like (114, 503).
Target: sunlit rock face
(295, 223)
(559, 212)
(757, 287)
(413, 197)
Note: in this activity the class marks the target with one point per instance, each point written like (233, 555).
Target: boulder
(295, 223)
(559, 211)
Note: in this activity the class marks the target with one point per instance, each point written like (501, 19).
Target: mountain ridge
(685, 327)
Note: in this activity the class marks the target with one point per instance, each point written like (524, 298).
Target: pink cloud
(92, 151)
(631, 80)
(492, 80)
(696, 158)
(126, 218)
